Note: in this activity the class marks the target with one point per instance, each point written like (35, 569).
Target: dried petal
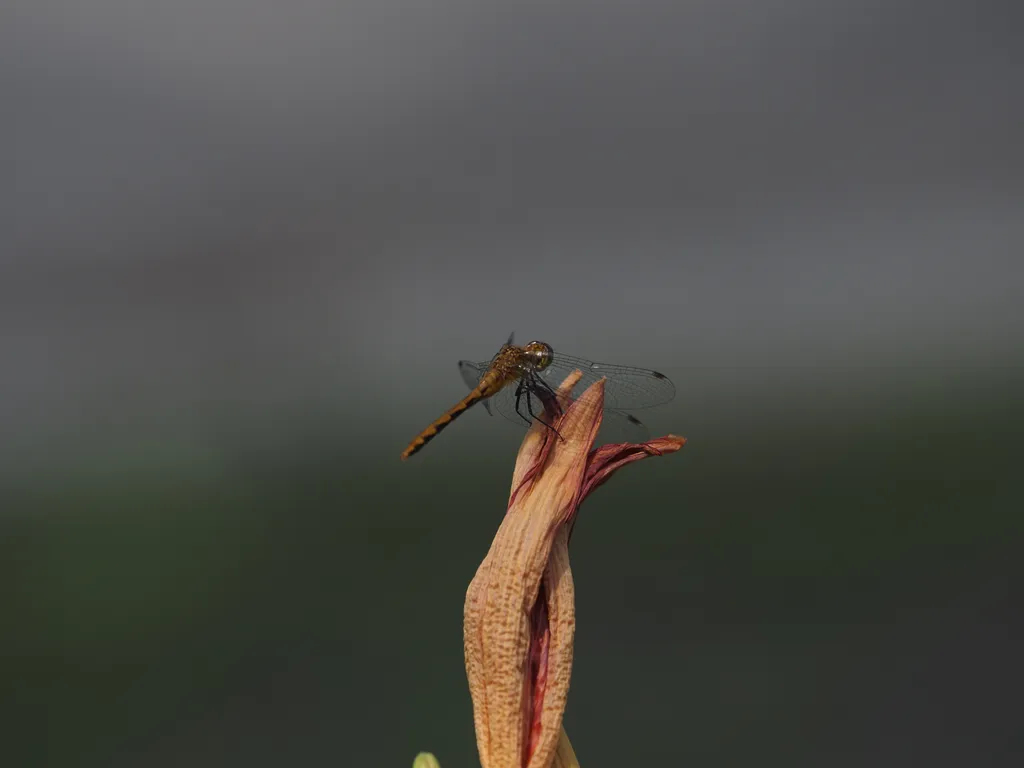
(519, 618)
(539, 441)
(604, 461)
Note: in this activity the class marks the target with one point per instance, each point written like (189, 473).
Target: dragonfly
(520, 382)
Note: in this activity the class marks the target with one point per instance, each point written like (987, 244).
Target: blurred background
(243, 245)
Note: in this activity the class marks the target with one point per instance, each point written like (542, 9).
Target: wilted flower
(519, 619)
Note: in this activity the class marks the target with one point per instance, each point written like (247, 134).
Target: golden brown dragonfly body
(508, 367)
(520, 382)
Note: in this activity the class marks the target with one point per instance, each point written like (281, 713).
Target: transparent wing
(471, 373)
(626, 387)
(621, 427)
(616, 425)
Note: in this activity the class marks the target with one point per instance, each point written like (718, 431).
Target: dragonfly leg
(547, 395)
(529, 405)
(519, 396)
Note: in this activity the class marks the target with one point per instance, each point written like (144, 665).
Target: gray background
(243, 245)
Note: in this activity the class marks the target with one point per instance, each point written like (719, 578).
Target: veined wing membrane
(471, 373)
(626, 388)
(616, 425)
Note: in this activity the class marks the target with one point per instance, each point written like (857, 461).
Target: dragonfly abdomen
(487, 387)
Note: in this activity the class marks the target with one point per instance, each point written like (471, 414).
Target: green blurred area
(783, 586)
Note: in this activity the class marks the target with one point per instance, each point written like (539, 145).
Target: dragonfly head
(539, 354)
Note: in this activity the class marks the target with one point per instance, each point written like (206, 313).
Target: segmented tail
(443, 421)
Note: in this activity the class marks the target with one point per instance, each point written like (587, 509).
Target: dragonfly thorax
(538, 354)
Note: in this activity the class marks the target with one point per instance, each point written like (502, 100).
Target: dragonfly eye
(540, 354)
